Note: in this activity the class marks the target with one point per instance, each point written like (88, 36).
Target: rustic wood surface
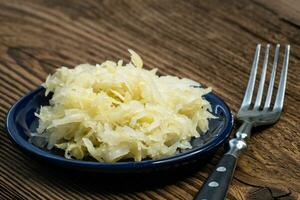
(209, 41)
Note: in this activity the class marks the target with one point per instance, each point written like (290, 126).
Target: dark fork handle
(216, 186)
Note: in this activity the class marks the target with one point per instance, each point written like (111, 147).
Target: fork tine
(272, 79)
(262, 79)
(249, 91)
(281, 89)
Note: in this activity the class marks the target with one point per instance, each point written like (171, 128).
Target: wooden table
(211, 42)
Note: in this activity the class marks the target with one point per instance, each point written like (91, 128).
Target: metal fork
(216, 185)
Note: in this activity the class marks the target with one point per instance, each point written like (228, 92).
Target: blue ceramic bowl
(21, 120)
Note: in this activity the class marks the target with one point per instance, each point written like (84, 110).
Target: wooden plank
(209, 41)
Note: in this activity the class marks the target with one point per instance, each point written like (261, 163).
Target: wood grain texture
(209, 41)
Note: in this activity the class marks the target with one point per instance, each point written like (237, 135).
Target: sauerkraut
(114, 112)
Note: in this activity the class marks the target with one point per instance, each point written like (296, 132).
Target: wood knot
(268, 193)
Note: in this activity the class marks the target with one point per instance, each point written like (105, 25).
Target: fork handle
(216, 186)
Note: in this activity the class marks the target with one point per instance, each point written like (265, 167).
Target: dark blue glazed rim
(20, 120)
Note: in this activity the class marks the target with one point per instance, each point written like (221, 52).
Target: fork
(216, 186)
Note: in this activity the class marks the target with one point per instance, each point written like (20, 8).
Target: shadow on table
(93, 182)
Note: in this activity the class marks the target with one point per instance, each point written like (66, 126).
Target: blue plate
(21, 121)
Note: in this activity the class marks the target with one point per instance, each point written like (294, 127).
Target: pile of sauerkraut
(114, 111)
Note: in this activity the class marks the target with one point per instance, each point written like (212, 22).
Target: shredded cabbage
(112, 112)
